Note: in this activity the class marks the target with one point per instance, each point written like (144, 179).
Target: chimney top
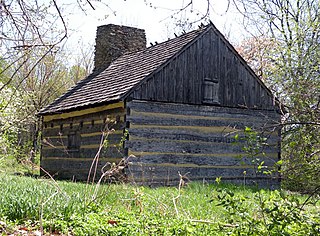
(112, 41)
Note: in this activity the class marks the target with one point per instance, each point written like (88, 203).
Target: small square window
(211, 91)
(73, 141)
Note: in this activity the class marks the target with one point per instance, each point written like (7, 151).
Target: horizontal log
(181, 137)
(223, 130)
(157, 145)
(54, 144)
(105, 159)
(118, 132)
(72, 174)
(83, 146)
(84, 112)
(168, 172)
(85, 129)
(83, 153)
(231, 118)
(261, 182)
(76, 164)
(238, 124)
(180, 134)
(205, 179)
(211, 111)
(91, 140)
(86, 139)
(59, 137)
(204, 160)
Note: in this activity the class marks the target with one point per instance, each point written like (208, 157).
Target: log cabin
(173, 108)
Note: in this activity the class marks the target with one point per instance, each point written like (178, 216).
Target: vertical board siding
(65, 163)
(181, 80)
(167, 139)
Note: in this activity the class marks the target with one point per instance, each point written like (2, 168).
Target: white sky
(156, 20)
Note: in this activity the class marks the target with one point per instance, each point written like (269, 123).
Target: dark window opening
(74, 141)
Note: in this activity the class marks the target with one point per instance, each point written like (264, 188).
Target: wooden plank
(197, 82)
(171, 73)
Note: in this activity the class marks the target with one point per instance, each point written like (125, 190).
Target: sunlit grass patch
(121, 209)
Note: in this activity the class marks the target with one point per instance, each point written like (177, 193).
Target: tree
(293, 71)
(8, 111)
(27, 25)
(259, 52)
(33, 68)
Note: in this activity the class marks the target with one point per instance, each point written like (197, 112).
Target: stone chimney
(112, 41)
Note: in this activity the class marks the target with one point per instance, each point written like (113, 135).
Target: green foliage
(253, 144)
(276, 213)
(200, 209)
(10, 165)
(301, 169)
(290, 67)
(26, 87)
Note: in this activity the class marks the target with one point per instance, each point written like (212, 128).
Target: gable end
(209, 71)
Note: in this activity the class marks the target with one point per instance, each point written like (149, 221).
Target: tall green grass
(10, 165)
(119, 209)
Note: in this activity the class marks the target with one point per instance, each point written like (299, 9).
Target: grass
(120, 209)
(10, 165)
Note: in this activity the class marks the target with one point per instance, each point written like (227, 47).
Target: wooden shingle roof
(120, 77)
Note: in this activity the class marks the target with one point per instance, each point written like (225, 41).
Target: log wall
(197, 141)
(72, 140)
